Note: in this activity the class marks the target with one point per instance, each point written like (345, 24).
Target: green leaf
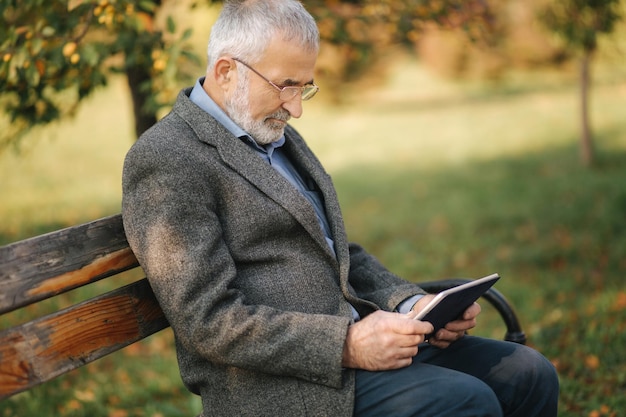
(187, 34)
(148, 6)
(32, 75)
(36, 46)
(171, 25)
(48, 31)
(90, 54)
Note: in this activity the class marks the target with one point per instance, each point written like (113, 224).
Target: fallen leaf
(592, 362)
(118, 413)
(620, 302)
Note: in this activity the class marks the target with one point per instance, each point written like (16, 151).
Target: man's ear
(225, 73)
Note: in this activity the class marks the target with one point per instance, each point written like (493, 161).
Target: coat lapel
(301, 155)
(252, 167)
(241, 158)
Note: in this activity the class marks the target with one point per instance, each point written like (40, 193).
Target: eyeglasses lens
(307, 92)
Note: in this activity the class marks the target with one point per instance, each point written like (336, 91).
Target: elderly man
(239, 231)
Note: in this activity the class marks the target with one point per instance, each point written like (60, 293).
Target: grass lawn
(436, 179)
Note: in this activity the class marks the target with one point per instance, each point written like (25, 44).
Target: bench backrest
(41, 267)
(45, 266)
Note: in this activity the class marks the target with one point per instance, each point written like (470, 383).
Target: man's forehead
(288, 64)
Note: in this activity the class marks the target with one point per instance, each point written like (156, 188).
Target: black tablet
(449, 304)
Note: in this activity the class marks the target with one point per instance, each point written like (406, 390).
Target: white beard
(262, 131)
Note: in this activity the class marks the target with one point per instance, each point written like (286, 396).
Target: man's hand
(383, 341)
(454, 330)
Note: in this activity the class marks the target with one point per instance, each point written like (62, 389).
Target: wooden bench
(46, 266)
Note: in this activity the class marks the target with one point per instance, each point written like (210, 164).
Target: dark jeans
(473, 377)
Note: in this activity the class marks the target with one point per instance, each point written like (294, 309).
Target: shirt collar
(200, 97)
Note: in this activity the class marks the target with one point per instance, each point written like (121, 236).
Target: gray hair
(245, 28)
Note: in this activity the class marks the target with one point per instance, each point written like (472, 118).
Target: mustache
(282, 115)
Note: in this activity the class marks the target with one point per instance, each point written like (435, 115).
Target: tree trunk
(586, 141)
(136, 76)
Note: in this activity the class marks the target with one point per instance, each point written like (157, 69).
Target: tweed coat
(258, 303)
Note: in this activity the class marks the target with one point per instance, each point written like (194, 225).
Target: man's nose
(294, 106)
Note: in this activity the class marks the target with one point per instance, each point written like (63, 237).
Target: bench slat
(47, 347)
(41, 267)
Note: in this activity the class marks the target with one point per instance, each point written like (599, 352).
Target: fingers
(418, 327)
(441, 344)
(444, 338)
(412, 326)
(466, 322)
(448, 335)
(410, 332)
(472, 312)
(455, 330)
(383, 340)
(461, 325)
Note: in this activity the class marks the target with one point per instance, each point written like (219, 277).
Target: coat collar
(241, 158)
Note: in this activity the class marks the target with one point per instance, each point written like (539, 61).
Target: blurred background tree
(55, 53)
(579, 23)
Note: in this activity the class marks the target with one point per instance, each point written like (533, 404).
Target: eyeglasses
(287, 93)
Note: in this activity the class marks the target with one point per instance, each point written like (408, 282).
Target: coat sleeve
(375, 283)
